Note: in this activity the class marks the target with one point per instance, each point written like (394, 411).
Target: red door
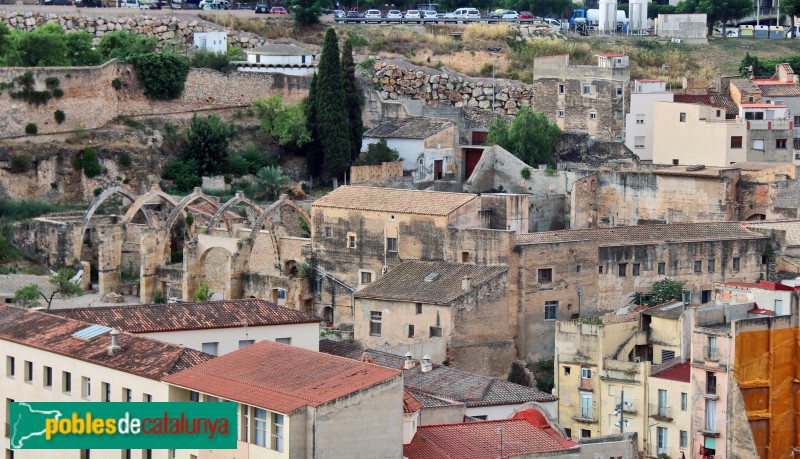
(471, 158)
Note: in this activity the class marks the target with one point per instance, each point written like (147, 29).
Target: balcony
(660, 412)
(711, 354)
(585, 418)
(781, 124)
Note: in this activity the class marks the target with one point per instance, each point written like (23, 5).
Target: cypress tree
(313, 150)
(333, 127)
(353, 100)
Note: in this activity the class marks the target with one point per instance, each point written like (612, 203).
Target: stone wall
(90, 101)
(167, 31)
(379, 173)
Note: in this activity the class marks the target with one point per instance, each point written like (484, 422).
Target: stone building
(446, 306)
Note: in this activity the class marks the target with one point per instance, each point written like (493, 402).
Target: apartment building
(669, 409)
(639, 121)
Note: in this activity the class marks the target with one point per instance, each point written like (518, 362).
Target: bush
(124, 160)
(162, 75)
(51, 82)
(31, 129)
(116, 84)
(20, 163)
(486, 69)
(183, 174)
(256, 159)
(237, 165)
(88, 162)
(159, 298)
(58, 93)
(379, 153)
(525, 173)
(59, 116)
(97, 191)
(204, 59)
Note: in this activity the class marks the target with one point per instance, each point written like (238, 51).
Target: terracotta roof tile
(431, 401)
(680, 372)
(778, 89)
(481, 440)
(410, 403)
(669, 310)
(408, 128)
(745, 85)
(722, 100)
(406, 282)
(151, 318)
(444, 382)
(645, 234)
(281, 378)
(699, 99)
(140, 356)
(394, 200)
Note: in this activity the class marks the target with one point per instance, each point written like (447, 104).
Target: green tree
(529, 136)
(207, 141)
(306, 12)
(159, 297)
(123, 44)
(666, 290)
(332, 125)
(379, 153)
(353, 100)
(183, 174)
(162, 75)
(285, 123)
(45, 46)
(80, 50)
(5, 41)
(313, 149)
(29, 295)
(790, 8)
(271, 182)
(203, 293)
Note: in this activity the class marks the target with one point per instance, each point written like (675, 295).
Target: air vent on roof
(698, 167)
(91, 331)
(431, 277)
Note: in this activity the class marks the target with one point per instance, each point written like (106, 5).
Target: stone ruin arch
(237, 199)
(101, 198)
(155, 191)
(264, 218)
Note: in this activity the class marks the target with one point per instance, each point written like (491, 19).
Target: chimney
(114, 348)
(426, 364)
(466, 283)
(409, 363)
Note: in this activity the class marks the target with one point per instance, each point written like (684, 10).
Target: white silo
(638, 17)
(608, 16)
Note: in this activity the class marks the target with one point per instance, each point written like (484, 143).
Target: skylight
(91, 332)
(431, 277)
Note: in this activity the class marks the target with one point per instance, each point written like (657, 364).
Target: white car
(510, 14)
(374, 15)
(394, 14)
(555, 23)
(429, 14)
(412, 16)
(468, 13)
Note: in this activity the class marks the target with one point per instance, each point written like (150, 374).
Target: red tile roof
(481, 440)
(281, 378)
(763, 285)
(698, 99)
(394, 200)
(410, 403)
(149, 318)
(139, 356)
(680, 372)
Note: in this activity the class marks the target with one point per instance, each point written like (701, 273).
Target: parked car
(262, 8)
(525, 16)
(510, 14)
(89, 3)
(412, 15)
(394, 14)
(449, 16)
(496, 14)
(555, 23)
(338, 14)
(278, 10)
(467, 13)
(353, 15)
(430, 14)
(373, 15)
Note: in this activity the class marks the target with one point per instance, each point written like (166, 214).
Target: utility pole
(622, 410)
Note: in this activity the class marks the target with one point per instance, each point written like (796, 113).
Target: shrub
(31, 129)
(59, 116)
(54, 185)
(162, 75)
(357, 40)
(51, 82)
(210, 60)
(183, 174)
(486, 69)
(124, 160)
(87, 160)
(237, 165)
(58, 93)
(159, 298)
(20, 163)
(116, 84)
(525, 173)
(97, 191)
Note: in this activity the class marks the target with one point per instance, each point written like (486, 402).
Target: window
(375, 323)
(419, 308)
(244, 433)
(711, 415)
(127, 394)
(86, 387)
(28, 369)
(698, 266)
(662, 402)
(410, 331)
(675, 162)
(587, 89)
(684, 439)
(147, 398)
(682, 117)
(736, 141)
(567, 370)
(106, 387)
(568, 433)
(366, 277)
(622, 269)
(639, 119)
(194, 396)
(578, 268)
(318, 285)
(328, 232)
(287, 341)
(684, 401)
(245, 342)
(210, 348)
(719, 113)
(351, 242)
(260, 417)
(66, 382)
(754, 115)
(47, 377)
(751, 99)
(780, 144)
(391, 244)
(586, 406)
(662, 267)
(545, 275)
(600, 269)
(436, 332)
(619, 91)
(586, 433)
(561, 113)
(586, 373)
(712, 265)
(592, 115)
(464, 257)
(736, 263)
(10, 366)
(561, 89)
(779, 307)
(666, 355)
(661, 440)
(635, 269)
(277, 432)
(711, 354)
(758, 144)
(638, 141)
(706, 295)
(551, 310)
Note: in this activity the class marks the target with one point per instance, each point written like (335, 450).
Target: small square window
(366, 277)
(28, 368)
(567, 370)
(622, 269)
(619, 91)
(578, 268)
(639, 119)
(243, 343)
(351, 242)
(194, 396)
(47, 374)
(635, 269)
(662, 268)
(568, 433)
(286, 341)
(586, 373)
(328, 232)
(464, 257)
(587, 89)
(391, 244)
(410, 333)
(780, 144)
(712, 265)
(638, 141)
(586, 433)
(719, 113)
(592, 116)
(758, 144)
(618, 115)
(751, 99)
(66, 382)
(736, 264)
(375, 319)
(682, 117)
(147, 398)
(419, 308)
(545, 275)
(561, 89)
(736, 141)
(10, 366)
(698, 266)
(600, 269)
(675, 162)
(551, 310)
(561, 113)
(436, 332)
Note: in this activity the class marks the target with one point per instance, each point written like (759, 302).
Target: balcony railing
(661, 412)
(711, 353)
(781, 124)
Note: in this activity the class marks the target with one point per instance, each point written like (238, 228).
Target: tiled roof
(481, 440)
(410, 403)
(711, 100)
(139, 356)
(278, 49)
(722, 100)
(763, 285)
(444, 382)
(669, 310)
(780, 89)
(680, 372)
(408, 128)
(281, 378)
(430, 401)
(406, 282)
(645, 234)
(745, 85)
(151, 318)
(792, 228)
(394, 200)
(698, 99)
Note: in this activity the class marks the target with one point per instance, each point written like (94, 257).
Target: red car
(278, 10)
(525, 16)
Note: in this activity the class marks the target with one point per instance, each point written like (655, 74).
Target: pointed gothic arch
(264, 219)
(239, 198)
(101, 198)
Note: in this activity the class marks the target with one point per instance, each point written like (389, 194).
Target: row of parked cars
(460, 14)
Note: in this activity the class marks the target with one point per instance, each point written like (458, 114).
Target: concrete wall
(639, 121)
(379, 173)
(691, 27)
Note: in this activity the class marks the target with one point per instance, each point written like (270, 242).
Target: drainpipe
(727, 400)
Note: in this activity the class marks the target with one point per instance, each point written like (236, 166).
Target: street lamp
(494, 52)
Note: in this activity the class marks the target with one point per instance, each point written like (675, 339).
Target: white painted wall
(643, 99)
(302, 335)
(284, 70)
(409, 150)
(216, 42)
(410, 424)
(280, 60)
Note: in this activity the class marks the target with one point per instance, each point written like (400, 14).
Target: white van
(467, 13)
(127, 3)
